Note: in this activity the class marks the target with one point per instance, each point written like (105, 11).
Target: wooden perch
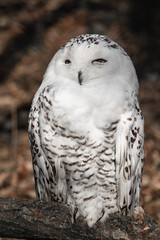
(42, 220)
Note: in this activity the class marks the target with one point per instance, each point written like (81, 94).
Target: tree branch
(42, 220)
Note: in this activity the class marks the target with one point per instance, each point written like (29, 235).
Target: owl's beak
(80, 79)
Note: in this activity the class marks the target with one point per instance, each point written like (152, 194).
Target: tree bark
(27, 219)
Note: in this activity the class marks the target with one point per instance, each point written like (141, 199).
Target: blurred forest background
(30, 33)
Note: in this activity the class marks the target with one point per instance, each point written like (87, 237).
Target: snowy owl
(86, 130)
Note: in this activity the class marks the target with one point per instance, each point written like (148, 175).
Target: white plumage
(86, 130)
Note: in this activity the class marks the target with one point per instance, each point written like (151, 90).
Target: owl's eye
(67, 61)
(99, 60)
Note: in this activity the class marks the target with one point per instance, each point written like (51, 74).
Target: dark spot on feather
(89, 198)
(130, 205)
(115, 46)
(51, 180)
(126, 169)
(133, 140)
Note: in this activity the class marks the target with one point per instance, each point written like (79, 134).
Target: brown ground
(30, 33)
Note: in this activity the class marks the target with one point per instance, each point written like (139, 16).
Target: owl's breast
(82, 110)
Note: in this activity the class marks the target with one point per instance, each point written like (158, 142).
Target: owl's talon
(74, 214)
(103, 212)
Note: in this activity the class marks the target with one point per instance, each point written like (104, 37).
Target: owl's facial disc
(80, 78)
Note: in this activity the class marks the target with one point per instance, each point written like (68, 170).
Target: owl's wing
(49, 175)
(129, 159)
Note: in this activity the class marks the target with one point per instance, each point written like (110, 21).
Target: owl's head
(91, 59)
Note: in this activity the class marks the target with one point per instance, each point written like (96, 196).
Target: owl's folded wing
(129, 160)
(48, 173)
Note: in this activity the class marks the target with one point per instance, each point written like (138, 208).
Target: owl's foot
(75, 213)
(103, 212)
